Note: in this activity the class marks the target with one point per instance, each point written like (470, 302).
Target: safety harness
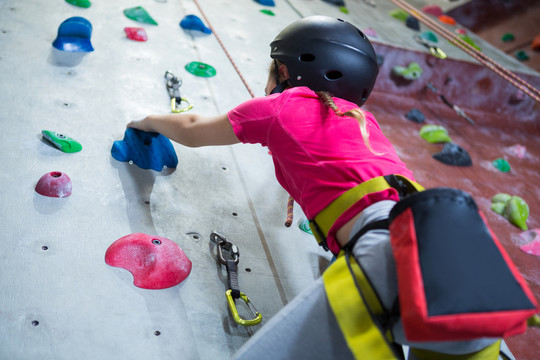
(323, 222)
(362, 319)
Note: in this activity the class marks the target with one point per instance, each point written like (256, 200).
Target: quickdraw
(434, 50)
(173, 87)
(233, 292)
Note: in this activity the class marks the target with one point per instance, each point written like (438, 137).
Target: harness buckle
(257, 317)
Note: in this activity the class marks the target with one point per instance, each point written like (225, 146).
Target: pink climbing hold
(54, 184)
(532, 247)
(154, 261)
(136, 33)
(434, 10)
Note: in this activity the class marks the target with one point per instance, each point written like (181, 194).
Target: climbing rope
(290, 202)
(470, 50)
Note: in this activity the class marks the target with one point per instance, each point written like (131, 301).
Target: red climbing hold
(154, 261)
(54, 184)
(136, 33)
(434, 10)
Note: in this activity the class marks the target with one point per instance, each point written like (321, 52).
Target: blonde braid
(356, 113)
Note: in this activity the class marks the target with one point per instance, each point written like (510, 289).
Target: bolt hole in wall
(35, 323)
(234, 214)
(248, 269)
(44, 248)
(157, 333)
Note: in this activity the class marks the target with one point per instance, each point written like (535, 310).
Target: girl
(323, 145)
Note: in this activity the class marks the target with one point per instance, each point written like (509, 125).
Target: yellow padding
(327, 217)
(363, 337)
(489, 353)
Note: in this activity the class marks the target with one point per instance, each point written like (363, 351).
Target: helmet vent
(333, 75)
(307, 57)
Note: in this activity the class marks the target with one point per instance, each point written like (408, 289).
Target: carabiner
(232, 306)
(223, 244)
(173, 87)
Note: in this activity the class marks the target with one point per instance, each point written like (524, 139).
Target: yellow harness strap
(490, 352)
(362, 335)
(325, 219)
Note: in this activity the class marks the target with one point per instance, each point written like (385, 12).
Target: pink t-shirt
(317, 155)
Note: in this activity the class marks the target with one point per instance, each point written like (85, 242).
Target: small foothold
(522, 55)
(139, 14)
(535, 45)
(200, 69)
(343, 9)
(193, 22)
(501, 165)
(148, 150)
(460, 31)
(62, 142)
(429, 36)
(412, 23)
(399, 14)
(507, 37)
(268, 12)
(416, 116)
(54, 184)
(74, 35)
(154, 261)
(412, 72)
(266, 2)
(434, 134)
(380, 60)
(447, 20)
(469, 41)
(434, 10)
(453, 154)
(533, 242)
(303, 224)
(517, 150)
(80, 3)
(370, 32)
(136, 33)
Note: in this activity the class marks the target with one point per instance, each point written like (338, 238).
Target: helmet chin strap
(285, 84)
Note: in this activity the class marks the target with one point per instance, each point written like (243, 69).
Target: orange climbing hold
(447, 20)
(536, 43)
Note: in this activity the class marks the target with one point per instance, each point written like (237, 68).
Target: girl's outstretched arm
(191, 130)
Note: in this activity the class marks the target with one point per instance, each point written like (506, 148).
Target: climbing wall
(60, 299)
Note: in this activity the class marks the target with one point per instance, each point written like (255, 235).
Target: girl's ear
(283, 73)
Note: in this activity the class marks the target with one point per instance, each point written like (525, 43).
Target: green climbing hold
(507, 37)
(139, 14)
(513, 208)
(434, 134)
(304, 226)
(501, 165)
(429, 36)
(200, 69)
(268, 12)
(62, 142)
(469, 41)
(343, 9)
(399, 14)
(522, 55)
(411, 72)
(80, 3)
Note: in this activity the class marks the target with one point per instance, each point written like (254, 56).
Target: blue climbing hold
(416, 116)
(453, 154)
(266, 2)
(148, 150)
(193, 22)
(74, 35)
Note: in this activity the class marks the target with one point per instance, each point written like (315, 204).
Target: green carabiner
(232, 306)
(174, 103)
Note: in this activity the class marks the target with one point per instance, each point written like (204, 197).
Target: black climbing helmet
(328, 54)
